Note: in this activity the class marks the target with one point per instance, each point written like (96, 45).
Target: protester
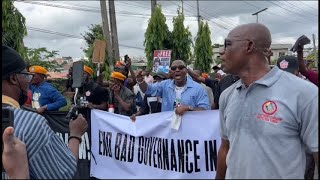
(45, 97)
(14, 156)
(68, 85)
(97, 96)
(180, 94)
(209, 90)
(48, 155)
(290, 64)
(125, 68)
(122, 98)
(219, 75)
(147, 76)
(308, 73)
(138, 94)
(217, 87)
(223, 84)
(268, 117)
(29, 100)
(151, 104)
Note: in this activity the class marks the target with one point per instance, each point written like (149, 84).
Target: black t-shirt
(69, 84)
(155, 104)
(224, 84)
(213, 84)
(219, 86)
(96, 94)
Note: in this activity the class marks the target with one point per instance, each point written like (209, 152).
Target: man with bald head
(266, 122)
(180, 93)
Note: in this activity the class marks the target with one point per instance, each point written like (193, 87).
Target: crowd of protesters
(245, 89)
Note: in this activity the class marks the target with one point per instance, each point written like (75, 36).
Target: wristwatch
(190, 108)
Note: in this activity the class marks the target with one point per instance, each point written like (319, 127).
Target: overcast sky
(287, 20)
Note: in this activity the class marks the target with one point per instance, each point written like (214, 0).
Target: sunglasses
(180, 67)
(228, 42)
(29, 76)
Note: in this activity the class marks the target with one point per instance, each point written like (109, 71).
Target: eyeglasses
(180, 67)
(29, 76)
(228, 42)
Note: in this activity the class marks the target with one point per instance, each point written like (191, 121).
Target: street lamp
(256, 13)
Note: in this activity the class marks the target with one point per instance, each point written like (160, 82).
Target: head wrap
(118, 75)
(205, 75)
(119, 63)
(38, 70)
(88, 70)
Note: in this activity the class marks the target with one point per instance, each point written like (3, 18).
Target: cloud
(287, 20)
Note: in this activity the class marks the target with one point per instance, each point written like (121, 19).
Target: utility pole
(114, 32)
(182, 6)
(256, 13)
(153, 5)
(198, 14)
(106, 32)
(315, 50)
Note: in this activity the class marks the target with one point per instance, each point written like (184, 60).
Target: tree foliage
(181, 39)
(41, 57)
(203, 50)
(157, 35)
(312, 56)
(95, 32)
(13, 27)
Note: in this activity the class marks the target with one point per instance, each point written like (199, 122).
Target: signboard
(161, 60)
(99, 51)
(151, 149)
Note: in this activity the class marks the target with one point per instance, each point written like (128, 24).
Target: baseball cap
(288, 63)
(12, 62)
(160, 74)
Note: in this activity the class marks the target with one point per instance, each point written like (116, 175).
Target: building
(279, 50)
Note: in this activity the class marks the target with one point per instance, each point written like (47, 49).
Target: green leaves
(203, 50)
(40, 57)
(13, 27)
(157, 35)
(95, 32)
(181, 39)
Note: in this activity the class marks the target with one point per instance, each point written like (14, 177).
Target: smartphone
(7, 120)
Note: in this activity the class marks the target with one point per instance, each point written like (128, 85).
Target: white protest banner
(151, 149)
(161, 60)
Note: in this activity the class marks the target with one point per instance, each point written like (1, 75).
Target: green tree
(312, 57)
(157, 35)
(203, 50)
(40, 57)
(95, 32)
(181, 39)
(13, 27)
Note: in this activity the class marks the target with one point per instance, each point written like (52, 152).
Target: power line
(124, 13)
(218, 25)
(71, 36)
(298, 8)
(272, 13)
(290, 11)
(307, 5)
(215, 17)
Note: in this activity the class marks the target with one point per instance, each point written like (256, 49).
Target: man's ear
(13, 79)
(250, 47)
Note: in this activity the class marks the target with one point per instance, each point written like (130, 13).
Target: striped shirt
(48, 156)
